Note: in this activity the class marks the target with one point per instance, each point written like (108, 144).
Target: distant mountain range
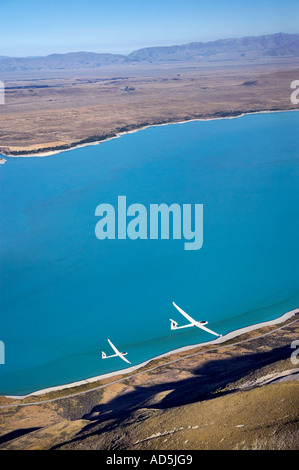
(259, 47)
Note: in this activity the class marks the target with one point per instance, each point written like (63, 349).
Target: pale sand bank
(219, 340)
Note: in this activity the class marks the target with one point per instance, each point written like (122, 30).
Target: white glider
(117, 353)
(199, 324)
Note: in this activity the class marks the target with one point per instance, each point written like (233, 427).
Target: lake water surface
(64, 292)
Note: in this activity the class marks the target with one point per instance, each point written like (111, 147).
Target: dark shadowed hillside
(243, 395)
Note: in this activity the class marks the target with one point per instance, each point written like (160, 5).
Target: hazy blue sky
(40, 27)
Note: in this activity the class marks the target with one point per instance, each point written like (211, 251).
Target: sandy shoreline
(219, 340)
(120, 134)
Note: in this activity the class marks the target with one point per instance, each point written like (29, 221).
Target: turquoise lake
(64, 292)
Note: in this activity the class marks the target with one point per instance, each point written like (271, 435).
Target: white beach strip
(120, 134)
(219, 340)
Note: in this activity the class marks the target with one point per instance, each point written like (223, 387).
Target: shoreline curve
(24, 154)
